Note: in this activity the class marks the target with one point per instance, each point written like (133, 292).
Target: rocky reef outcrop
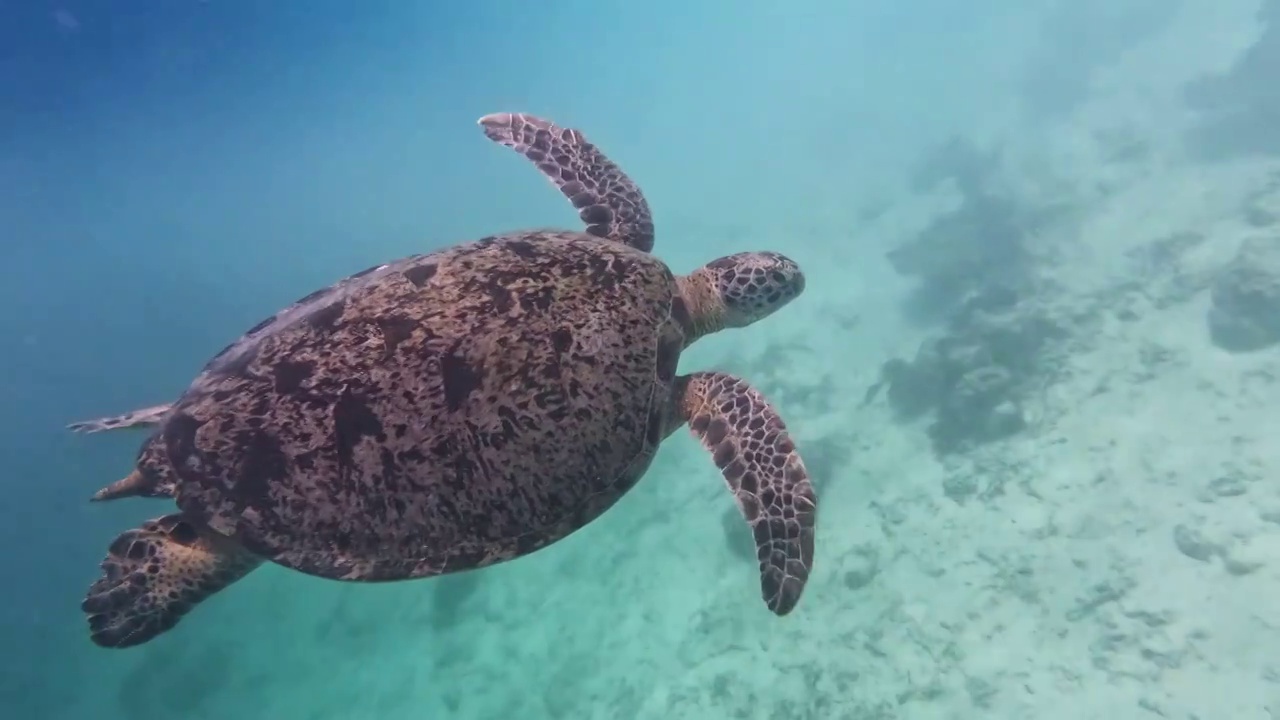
(1240, 106)
(1245, 311)
(976, 375)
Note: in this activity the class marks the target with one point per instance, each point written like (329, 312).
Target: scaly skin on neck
(707, 311)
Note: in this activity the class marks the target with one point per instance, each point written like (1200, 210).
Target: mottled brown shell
(439, 413)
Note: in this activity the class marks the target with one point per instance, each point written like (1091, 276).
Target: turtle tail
(152, 477)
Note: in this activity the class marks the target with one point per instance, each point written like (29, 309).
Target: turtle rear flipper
(155, 574)
(143, 417)
(753, 450)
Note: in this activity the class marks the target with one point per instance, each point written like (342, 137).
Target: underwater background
(1034, 374)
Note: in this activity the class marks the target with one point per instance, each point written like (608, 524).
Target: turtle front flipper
(155, 574)
(144, 417)
(607, 200)
(750, 444)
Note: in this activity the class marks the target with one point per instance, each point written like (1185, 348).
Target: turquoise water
(171, 173)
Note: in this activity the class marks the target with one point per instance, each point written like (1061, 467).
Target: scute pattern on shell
(443, 412)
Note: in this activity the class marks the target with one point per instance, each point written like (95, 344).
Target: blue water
(173, 172)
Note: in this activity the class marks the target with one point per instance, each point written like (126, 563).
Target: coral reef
(976, 374)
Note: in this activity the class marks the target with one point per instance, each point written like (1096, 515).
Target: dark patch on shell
(353, 421)
(459, 377)
(395, 330)
(325, 317)
(562, 340)
(291, 374)
(421, 274)
(264, 464)
(523, 249)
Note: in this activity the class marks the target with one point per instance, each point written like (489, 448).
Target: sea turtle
(455, 409)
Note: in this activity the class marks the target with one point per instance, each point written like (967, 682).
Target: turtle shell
(438, 413)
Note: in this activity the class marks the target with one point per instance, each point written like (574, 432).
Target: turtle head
(739, 289)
